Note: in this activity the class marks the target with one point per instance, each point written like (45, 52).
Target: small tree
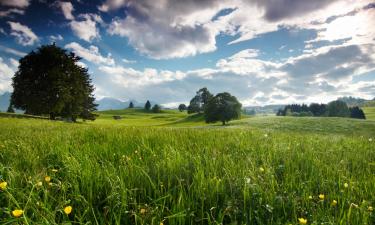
(356, 112)
(10, 109)
(156, 108)
(131, 105)
(223, 107)
(182, 107)
(148, 105)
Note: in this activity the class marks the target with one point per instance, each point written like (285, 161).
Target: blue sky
(262, 51)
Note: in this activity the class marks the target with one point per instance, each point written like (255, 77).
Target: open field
(369, 112)
(258, 170)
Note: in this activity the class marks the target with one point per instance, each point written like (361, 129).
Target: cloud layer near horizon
(338, 60)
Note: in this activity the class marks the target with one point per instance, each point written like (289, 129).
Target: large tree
(223, 107)
(199, 101)
(50, 82)
(131, 105)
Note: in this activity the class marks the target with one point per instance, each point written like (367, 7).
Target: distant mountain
(4, 101)
(352, 101)
(113, 103)
(267, 109)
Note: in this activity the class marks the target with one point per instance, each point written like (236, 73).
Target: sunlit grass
(266, 170)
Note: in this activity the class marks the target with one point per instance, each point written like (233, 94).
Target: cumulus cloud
(67, 9)
(86, 27)
(91, 54)
(15, 3)
(55, 38)
(11, 12)
(12, 51)
(324, 74)
(23, 34)
(6, 74)
(185, 28)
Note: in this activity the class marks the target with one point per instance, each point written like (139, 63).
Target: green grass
(152, 168)
(369, 112)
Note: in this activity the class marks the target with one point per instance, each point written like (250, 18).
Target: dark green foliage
(198, 102)
(49, 82)
(318, 109)
(338, 109)
(10, 109)
(148, 105)
(356, 112)
(131, 105)
(156, 108)
(223, 107)
(182, 107)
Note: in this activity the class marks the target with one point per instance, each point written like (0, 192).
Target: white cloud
(6, 74)
(55, 38)
(24, 35)
(86, 28)
(171, 29)
(91, 54)
(15, 3)
(11, 11)
(111, 5)
(12, 51)
(67, 9)
(129, 61)
(319, 76)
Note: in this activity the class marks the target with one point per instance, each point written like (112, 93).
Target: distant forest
(336, 108)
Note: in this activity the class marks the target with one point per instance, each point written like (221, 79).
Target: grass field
(173, 169)
(369, 112)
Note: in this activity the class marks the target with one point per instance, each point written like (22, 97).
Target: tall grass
(151, 175)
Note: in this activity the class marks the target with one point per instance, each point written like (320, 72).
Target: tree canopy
(199, 101)
(148, 105)
(182, 107)
(223, 107)
(131, 105)
(156, 108)
(50, 82)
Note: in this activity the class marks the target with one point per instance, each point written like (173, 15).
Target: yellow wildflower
(370, 209)
(302, 221)
(47, 178)
(143, 211)
(39, 184)
(321, 197)
(334, 203)
(17, 212)
(3, 185)
(161, 223)
(310, 197)
(261, 169)
(346, 185)
(68, 209)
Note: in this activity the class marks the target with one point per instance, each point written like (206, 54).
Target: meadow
(170, 168)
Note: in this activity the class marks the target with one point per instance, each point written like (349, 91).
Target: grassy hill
(369, 112)
(161, 169)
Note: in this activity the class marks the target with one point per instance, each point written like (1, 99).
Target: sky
(261, 51)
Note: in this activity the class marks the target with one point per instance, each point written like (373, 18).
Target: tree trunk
(223, 122)
(52, 116)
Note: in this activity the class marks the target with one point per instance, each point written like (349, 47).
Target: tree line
(336, 108)
(222, 107)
